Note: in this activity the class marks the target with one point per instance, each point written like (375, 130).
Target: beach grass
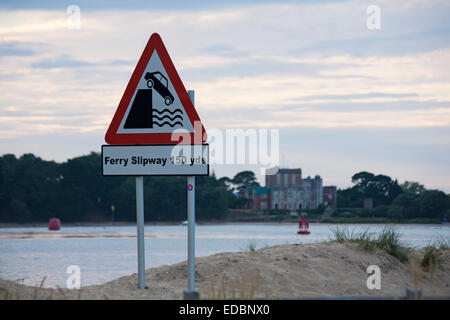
(441, 243)
(432, 258)
(245, 289)
(250, 246)
(388, 239)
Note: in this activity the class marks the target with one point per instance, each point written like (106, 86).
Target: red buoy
(303, 226)
(54, 224)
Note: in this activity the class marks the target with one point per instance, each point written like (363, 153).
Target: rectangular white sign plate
(155, 160)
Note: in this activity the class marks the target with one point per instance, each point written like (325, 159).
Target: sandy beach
(285, 271)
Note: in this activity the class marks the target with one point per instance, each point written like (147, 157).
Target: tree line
(409, 200)
(34, 190)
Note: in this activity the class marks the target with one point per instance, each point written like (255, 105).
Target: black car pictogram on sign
(156, 81)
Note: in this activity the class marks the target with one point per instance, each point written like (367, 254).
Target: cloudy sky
(344, 97)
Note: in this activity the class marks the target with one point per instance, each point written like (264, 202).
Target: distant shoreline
(133, 224)
(176, 223)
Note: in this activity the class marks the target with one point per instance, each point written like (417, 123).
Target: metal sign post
(191, 232)
(140, 230)
(191, 294)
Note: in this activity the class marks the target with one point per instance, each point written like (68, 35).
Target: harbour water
(107, 253)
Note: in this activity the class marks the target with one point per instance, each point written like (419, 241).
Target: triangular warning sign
(155, 107)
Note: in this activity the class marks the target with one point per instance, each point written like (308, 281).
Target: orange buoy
(303, 226)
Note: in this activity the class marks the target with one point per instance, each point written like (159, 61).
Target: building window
(278, 179)
(263, 205)
(286, 179)
(294, 176)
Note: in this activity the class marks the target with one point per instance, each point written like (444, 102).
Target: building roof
(258, 190)
(284, 170)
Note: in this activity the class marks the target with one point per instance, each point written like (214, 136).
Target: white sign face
(155, 106)
(140, 160)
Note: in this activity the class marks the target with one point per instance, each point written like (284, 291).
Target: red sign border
(112, 137)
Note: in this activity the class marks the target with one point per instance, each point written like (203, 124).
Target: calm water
(112, 253)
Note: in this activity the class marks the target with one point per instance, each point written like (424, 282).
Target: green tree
(227, 182)
(32, 189)
(410, 204)
(381, 211)
(395, 212)
(245, 179)
(31, 181)
(381, 188)
(349, 198)
(363, 181)
(19, 210)
(434, 204)
(411, 188)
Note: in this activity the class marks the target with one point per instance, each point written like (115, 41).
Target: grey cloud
(381, 44)
(136, 4)
(253, 67)
(408, 145)
(60, 62)
(223, 50)
(347, 106)
(361, 95)
(65, 61)
(16, 48)
(120, 63)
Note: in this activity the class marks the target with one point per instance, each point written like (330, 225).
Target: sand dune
(285, 271)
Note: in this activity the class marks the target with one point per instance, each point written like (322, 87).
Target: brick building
(285, 189)
(330, 196)
(258, 198)
(284, 179)
(312, 192)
